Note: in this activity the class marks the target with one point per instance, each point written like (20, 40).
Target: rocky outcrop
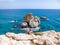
(45, 38)
(9, 41)
(49, 37)
(32, 21)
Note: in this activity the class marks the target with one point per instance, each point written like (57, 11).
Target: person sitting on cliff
(30, 32)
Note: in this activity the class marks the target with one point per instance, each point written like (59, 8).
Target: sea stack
(31, 21)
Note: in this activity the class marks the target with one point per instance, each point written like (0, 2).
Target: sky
(29, 4)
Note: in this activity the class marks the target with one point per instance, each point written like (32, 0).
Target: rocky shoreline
(42, 38)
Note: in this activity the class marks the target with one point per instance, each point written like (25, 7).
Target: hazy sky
(29, 4)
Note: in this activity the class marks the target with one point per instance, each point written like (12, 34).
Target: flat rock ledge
(45, 38)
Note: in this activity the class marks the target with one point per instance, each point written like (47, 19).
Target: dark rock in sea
(43, 18)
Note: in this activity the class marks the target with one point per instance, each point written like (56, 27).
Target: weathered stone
(24, 25)
(32, 21)
(47, 38)
(28, 17)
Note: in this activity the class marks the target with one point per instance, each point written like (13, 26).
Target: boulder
(24, 25)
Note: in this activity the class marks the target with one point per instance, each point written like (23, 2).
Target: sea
(8, 15)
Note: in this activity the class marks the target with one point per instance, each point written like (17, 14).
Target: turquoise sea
(7, 15)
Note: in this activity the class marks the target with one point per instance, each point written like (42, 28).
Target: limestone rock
(28, 17)
(49, 37)
(46, 38)
(32, 21)
(24, 25)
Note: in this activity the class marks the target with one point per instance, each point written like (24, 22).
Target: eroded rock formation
(32, 21)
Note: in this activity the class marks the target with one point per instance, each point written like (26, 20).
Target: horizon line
(53, 9)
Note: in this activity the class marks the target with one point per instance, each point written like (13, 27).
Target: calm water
(17, 14)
